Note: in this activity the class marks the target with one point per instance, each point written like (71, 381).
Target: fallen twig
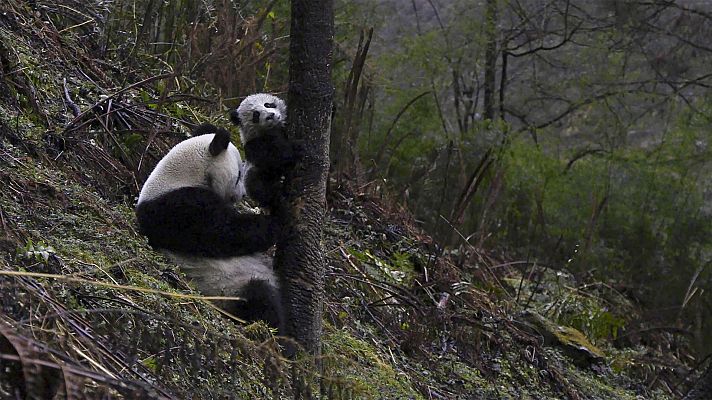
(68, 99)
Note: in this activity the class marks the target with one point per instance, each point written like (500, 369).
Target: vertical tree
(300, 258)
(490, 57)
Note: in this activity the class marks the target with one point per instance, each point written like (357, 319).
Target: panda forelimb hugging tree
(186, 210)
(269, 153)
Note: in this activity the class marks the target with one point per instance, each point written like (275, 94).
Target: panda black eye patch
(270, 105)
(255, 117)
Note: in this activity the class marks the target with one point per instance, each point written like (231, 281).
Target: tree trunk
(490, 58)
(300, 259)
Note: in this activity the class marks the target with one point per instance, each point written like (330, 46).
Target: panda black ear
(235, 117)
(220, 142)
(204, 129)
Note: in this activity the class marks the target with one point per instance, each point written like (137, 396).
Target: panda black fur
(186, 210)
(269, 153)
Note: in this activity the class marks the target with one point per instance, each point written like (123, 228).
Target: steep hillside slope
(88, 309)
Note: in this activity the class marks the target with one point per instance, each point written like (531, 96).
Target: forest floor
(88, 309)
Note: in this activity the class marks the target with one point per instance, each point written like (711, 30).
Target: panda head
(259, 112)
(207, 160)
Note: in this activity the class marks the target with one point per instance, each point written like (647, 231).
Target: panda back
(190, 164)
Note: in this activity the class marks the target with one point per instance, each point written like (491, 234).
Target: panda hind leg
(261, 302)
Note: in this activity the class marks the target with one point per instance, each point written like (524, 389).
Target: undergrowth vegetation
(432, 291)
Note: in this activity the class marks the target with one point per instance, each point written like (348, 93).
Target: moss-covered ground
(100, 314)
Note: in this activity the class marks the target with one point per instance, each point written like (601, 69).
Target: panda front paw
(235, 117)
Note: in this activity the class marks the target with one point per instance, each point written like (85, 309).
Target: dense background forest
(567, 139)
(573, 134)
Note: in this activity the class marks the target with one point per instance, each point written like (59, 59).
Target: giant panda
(269, 153)
(186, 209)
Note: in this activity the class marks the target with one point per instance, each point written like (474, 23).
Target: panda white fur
(262, 118)
(186, 210)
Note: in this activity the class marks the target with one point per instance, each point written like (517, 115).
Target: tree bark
(299, 260)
